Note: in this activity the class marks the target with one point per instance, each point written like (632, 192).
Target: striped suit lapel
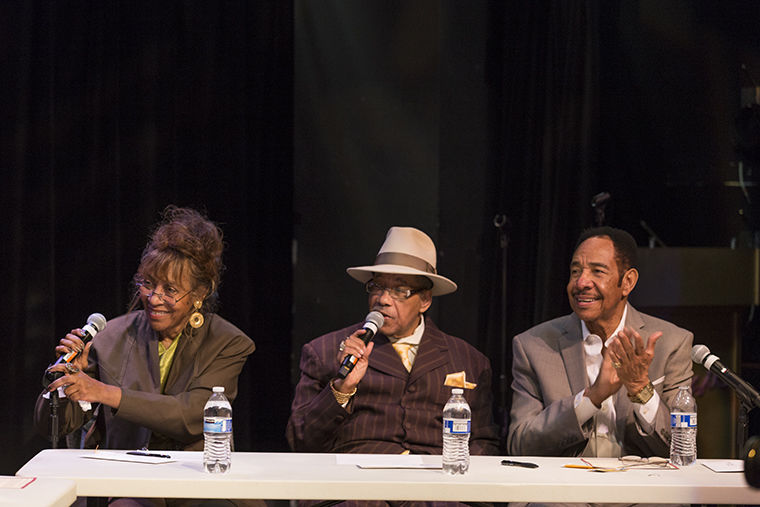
(432, 354)
(385, 359)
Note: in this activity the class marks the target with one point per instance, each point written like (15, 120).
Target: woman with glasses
(148, 374)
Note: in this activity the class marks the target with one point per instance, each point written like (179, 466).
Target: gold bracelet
(644, 395)
(341, 398)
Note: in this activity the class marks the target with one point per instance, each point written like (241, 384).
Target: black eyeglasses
(397, 293)
(148, 289)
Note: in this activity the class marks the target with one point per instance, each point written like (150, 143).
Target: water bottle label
(683, 420)
(214, 425)
(456, 426)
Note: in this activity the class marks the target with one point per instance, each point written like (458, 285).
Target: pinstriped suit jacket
(548, 370)
(393, 410)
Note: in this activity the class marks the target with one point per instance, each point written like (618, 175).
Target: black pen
(148, 454)
(524, 464)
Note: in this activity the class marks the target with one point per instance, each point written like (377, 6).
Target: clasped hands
(625, 362)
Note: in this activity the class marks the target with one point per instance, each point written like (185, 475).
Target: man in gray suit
(598, 382)
(392, 401)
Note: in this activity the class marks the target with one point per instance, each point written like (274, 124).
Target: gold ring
(616, 364)
(342, 346)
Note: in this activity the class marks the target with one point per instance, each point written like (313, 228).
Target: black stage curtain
(111, 111)
(442, 115)
(641, 100)
(543, 70)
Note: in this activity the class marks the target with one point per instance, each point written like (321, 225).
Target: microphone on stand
(95, 323)
(700, 354)
(373, 322)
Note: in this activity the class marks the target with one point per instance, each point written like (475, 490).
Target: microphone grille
(376, 318)
(98, 321)
(699, 353)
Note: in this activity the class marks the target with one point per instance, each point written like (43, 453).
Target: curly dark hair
(185, 241)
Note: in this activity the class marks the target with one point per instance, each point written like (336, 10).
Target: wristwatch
(644, 395)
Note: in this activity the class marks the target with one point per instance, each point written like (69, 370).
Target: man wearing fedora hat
(392, 400)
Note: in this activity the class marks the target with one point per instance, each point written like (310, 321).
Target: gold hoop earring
(196, 319)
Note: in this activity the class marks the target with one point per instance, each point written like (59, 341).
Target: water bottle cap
(218, 389)
(457, 390)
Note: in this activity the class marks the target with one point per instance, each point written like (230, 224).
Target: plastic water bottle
(683, 428)
(456, 433)
(217, 433)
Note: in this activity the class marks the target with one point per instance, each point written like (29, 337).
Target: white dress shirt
(604, 442)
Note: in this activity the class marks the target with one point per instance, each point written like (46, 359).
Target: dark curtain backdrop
(366, 146)
(110, 111)
(446, 115)
(637, 99)
(543, 71)
(441, 115)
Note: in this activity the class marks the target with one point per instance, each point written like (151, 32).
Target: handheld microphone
(373, 322)
(95, 323)
(701, 354)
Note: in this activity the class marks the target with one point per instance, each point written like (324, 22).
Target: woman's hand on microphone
(71, 342)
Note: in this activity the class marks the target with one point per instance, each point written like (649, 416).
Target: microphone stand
(54, 419)
(599, 203)
(47, 378)
(502, 223)
(748, 398)
(654, 239)
(742, 423)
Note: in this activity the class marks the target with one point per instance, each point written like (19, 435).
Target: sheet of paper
(11, 482)
(723, 465)
(123, 456)
(390, 461)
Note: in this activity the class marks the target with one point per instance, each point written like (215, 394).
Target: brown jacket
(125, 354)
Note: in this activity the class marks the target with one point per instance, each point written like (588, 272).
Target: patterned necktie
(403, 353)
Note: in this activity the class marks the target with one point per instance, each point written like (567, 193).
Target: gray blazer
(548, 370)
(125, 354)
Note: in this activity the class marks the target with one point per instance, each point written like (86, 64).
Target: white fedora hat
(406, 251)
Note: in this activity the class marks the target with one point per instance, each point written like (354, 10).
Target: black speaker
(752, 462)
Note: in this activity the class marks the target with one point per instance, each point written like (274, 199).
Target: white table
(319, 477)
(40, 492)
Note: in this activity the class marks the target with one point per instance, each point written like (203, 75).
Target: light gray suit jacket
(548, 370)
